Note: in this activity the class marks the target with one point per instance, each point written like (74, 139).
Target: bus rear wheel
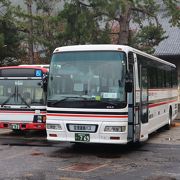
(169, 125)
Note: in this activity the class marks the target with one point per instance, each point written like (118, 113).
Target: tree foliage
(10, 38)
(137, 22)
(132, 22)
(82, 24)
(40, 28)
(172, 11)
(44, 25)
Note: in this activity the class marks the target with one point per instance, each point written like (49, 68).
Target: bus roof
(108, 47)
(36, 65)
(25, 67)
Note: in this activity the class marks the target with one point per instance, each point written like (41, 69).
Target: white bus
(23, 98)
(108, 94)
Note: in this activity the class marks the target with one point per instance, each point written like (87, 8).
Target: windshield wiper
(69, 97)
(12, 95)
(15, 95)
(24, 101)
(84, 98)
(7, 99)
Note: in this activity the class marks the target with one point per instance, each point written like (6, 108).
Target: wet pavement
(29, 156)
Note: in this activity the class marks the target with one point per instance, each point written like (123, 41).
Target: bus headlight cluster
(41, 118)
(115, 129)
(54, 126)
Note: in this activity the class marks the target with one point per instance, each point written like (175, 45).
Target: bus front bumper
(22, 126)
(100, 136)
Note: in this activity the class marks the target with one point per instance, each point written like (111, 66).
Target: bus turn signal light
(53, 135)
(114, 138)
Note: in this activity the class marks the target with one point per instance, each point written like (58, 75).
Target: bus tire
(169, 125)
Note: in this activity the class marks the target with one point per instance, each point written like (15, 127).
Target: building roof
(171, 45)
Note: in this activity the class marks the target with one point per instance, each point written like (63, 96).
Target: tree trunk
(30, 32)
(124, 26)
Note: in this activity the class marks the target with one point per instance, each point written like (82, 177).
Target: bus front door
(137, 101)
(143, 107)
(133, 104)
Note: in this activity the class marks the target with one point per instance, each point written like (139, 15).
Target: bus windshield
(25, 92)
(87, 79)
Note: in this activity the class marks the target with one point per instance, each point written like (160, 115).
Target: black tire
(169, 125)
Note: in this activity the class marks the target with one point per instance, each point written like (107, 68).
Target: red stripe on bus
(161, 103)
(78, 115)
(21, 112)
(161, 89)
(158, 89)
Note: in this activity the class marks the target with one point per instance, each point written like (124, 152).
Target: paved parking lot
(31, 156)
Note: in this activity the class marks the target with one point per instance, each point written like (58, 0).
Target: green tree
(47, 26)
(74, 23)
(137, 22)
(39, 27)
(59, 22)
(10, 38)
(82, 24)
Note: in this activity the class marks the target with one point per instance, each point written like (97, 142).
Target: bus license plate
(82, 137)
(14, 126)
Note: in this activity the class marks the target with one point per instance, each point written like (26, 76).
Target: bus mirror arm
(44, 83)
(128, 83)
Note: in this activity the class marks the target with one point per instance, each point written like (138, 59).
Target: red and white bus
(38, 65)
(23, 98)
(108, 94)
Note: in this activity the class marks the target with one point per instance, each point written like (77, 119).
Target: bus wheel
(169, 125)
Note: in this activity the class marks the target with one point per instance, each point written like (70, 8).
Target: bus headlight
(41, 118)
(115, 129)
(54, 126)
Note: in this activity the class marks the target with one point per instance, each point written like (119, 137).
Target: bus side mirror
(45, 83)
(128, 83)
